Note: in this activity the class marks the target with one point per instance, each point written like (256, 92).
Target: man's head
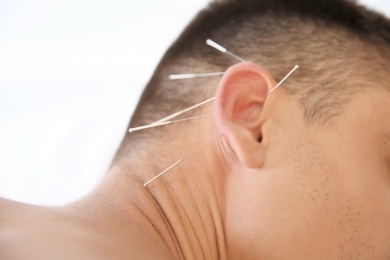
(332, 41)
(305, 171)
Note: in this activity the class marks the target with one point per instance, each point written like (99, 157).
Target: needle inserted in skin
(191, 76)
(181, 160)
(139, 128)
(184, 111)
(284, 79)
(223, 49)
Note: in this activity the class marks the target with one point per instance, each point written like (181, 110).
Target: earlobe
(238, 110)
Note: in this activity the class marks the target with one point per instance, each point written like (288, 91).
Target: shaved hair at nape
(340, 46)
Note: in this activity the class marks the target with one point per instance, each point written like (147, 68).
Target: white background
(71, 72)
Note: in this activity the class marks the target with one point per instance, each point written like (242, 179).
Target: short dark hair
(341, 47)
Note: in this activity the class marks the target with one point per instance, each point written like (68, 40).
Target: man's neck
(182, 212)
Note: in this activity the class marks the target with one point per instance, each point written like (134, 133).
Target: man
(302, 173)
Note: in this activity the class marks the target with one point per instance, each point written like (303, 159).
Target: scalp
(341, 48)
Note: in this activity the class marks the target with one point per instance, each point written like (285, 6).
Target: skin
(303, 192)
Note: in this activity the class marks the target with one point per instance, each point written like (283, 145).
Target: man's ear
(239, 104)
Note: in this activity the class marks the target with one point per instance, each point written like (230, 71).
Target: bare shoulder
(8, 231)
(7, 205)
(33, 232)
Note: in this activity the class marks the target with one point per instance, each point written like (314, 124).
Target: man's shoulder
(8, 206)
(8, 232)
(12, 211)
